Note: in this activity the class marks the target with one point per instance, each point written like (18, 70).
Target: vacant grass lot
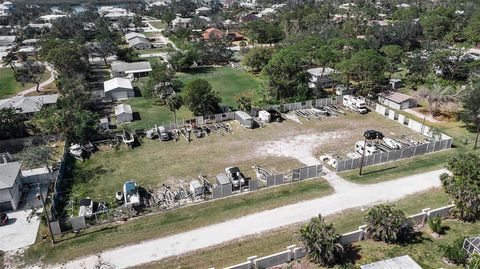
(183, 219)
(261, 245)
(227, 81)
(158, 24)
(151, 113)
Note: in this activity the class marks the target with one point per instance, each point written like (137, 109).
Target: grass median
(237, 251)
(151, 226)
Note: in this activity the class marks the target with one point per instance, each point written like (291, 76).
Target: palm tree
(174, 103)
(321, 241)
(388, 224)
(436, 97)
(10, 60)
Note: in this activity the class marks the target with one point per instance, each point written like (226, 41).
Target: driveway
(347, 195)
(42, 85)
(18, 232)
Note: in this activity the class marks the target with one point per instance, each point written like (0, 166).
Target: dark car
(372, 134)
(3, 219)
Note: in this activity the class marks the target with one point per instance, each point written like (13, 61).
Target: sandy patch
(300, 147)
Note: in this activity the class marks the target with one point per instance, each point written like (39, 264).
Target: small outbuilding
(395, 83)
(244, 119)
(123, 113)
(397, 100)
(118, 89)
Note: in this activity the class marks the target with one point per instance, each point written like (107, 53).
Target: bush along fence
(69, 224)
(438, 142)
(295, 252)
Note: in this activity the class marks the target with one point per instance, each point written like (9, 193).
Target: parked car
(236, 177)
(3, 219)
(163, 133)
(372, 134)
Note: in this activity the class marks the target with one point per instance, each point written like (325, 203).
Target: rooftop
(397, 97)
(29, 104)
(318, 71)
(122, 108)
(403, 262)
(138, 40)
(119, 67)
(116, 83)
(133, 34)
(8, 174)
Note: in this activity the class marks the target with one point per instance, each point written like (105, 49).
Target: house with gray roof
(139, 43)
(10, 183)
(29, 105)
(134, 69)
(7, 40)
(397, 100)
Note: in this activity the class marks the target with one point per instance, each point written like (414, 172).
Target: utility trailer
(356, 104)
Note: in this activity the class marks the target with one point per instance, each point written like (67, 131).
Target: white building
(6, 8)
(123, 113)
(135, 69)
(118, 89)
(10, 182)
(29, 105)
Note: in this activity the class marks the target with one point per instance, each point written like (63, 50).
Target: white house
(118, 89)
(131, 35)
(397, 100)
(320, 77)
(134, 69)
(123, 113)
(7, 40)
(10, 182)
(203, 11)
(181, 22)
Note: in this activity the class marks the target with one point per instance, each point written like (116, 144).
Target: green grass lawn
(158, 24)
(9, 86)
(151, 113)
(161, 224)
(227, 81)
(153, 50)
(231, 253)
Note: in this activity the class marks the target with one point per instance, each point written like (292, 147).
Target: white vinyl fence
(294, 252)
(445, 142)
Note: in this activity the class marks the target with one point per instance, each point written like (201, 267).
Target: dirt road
(347, 195)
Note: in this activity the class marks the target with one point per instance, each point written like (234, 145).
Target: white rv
(355, 103)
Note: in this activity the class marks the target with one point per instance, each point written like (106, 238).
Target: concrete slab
(19, 232)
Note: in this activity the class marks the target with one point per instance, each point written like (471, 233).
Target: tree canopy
(200, 97)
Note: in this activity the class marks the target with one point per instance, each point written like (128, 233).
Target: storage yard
(278, 147)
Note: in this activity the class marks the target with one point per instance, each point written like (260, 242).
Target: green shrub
(454, 252)
(474, 262)
(435, 224)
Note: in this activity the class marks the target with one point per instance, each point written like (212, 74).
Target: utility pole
(363, 156)
(40, 195)
(478, 130)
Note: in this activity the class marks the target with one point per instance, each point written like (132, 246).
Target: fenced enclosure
(228, 116)
(295, 175)
(440, 142)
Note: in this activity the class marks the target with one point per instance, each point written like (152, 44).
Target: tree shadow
(200, 70)
(352, 254)
(137, 92)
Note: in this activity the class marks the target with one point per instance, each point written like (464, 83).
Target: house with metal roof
(135, 69)
(10, 182)
(123, 113)
(7, 40)
(118, 89)
(131, 35)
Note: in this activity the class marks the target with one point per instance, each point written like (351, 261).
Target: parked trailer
(357, 104)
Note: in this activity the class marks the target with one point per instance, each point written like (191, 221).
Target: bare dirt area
(278, 147)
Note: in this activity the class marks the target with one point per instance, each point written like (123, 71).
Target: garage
(118, 95)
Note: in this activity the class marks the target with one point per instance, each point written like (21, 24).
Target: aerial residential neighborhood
(240, 134)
